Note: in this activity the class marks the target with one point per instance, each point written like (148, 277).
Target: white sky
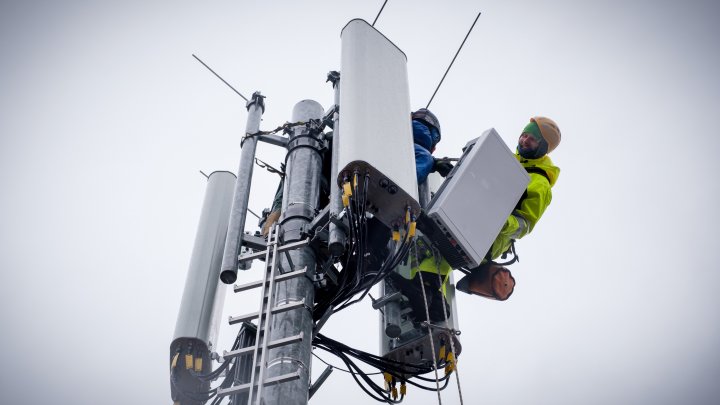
(105, 120)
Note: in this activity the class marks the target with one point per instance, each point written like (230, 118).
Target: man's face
(528, 142)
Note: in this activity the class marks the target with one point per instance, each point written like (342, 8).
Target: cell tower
(352, 216)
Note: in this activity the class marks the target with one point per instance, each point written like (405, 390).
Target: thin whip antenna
(218, 76)
(256, 215)
(378, 15)
(453, 60)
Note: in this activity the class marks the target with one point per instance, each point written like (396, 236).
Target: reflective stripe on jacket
(430, 265)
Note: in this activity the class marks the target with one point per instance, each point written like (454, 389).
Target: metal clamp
(287, 360)
(380, 302)
(426, 324)
(258, 99)
(333, 76)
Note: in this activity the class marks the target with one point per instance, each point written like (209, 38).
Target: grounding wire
(453, 60)
(223, 80)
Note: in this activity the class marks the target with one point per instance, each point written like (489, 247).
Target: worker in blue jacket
(426, 135)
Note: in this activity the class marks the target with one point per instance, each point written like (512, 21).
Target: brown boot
(269, 222)
(488, 280)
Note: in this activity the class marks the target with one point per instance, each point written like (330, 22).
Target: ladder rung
(243, 318)
(251, 256)
(288, 307)
(282, 277)
(257, 255)
(277, 310)
(286, 341)
(254, 242)
(271, 345)
(237, 353)
(248, 286)
(268, 382)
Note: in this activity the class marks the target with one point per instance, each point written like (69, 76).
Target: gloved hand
(442, 166)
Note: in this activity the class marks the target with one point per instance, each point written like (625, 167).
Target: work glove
(442, 166)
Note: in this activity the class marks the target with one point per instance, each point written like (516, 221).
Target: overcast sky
(106, 119)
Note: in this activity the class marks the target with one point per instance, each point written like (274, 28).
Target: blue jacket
(425, 139)
(425, 136)
(424, 163)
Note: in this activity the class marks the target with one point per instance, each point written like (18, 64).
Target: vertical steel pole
(233, 242)
(336, 240)
(300, 200)
(424, 193)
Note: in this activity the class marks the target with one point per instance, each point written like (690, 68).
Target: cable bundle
(355, 278)
(394, 371)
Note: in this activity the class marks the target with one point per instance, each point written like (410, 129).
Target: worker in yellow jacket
(539, 137)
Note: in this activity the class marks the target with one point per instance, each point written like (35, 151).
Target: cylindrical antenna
(218, 76)
(453, 60)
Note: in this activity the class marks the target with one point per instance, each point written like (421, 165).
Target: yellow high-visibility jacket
(543, 175)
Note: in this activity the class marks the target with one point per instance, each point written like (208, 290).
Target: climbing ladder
(264, 316)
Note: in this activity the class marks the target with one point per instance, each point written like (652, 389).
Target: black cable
(340, 368)
(386, 268)
(345, 288)
(433, 389)
(383, 394)
(371, 359)
(342, 351)
(370, 384)
(204, 396)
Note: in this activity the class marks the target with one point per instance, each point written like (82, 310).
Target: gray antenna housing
(375, 115)
(198, 322)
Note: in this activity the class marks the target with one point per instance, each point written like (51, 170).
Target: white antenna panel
(376, 134)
